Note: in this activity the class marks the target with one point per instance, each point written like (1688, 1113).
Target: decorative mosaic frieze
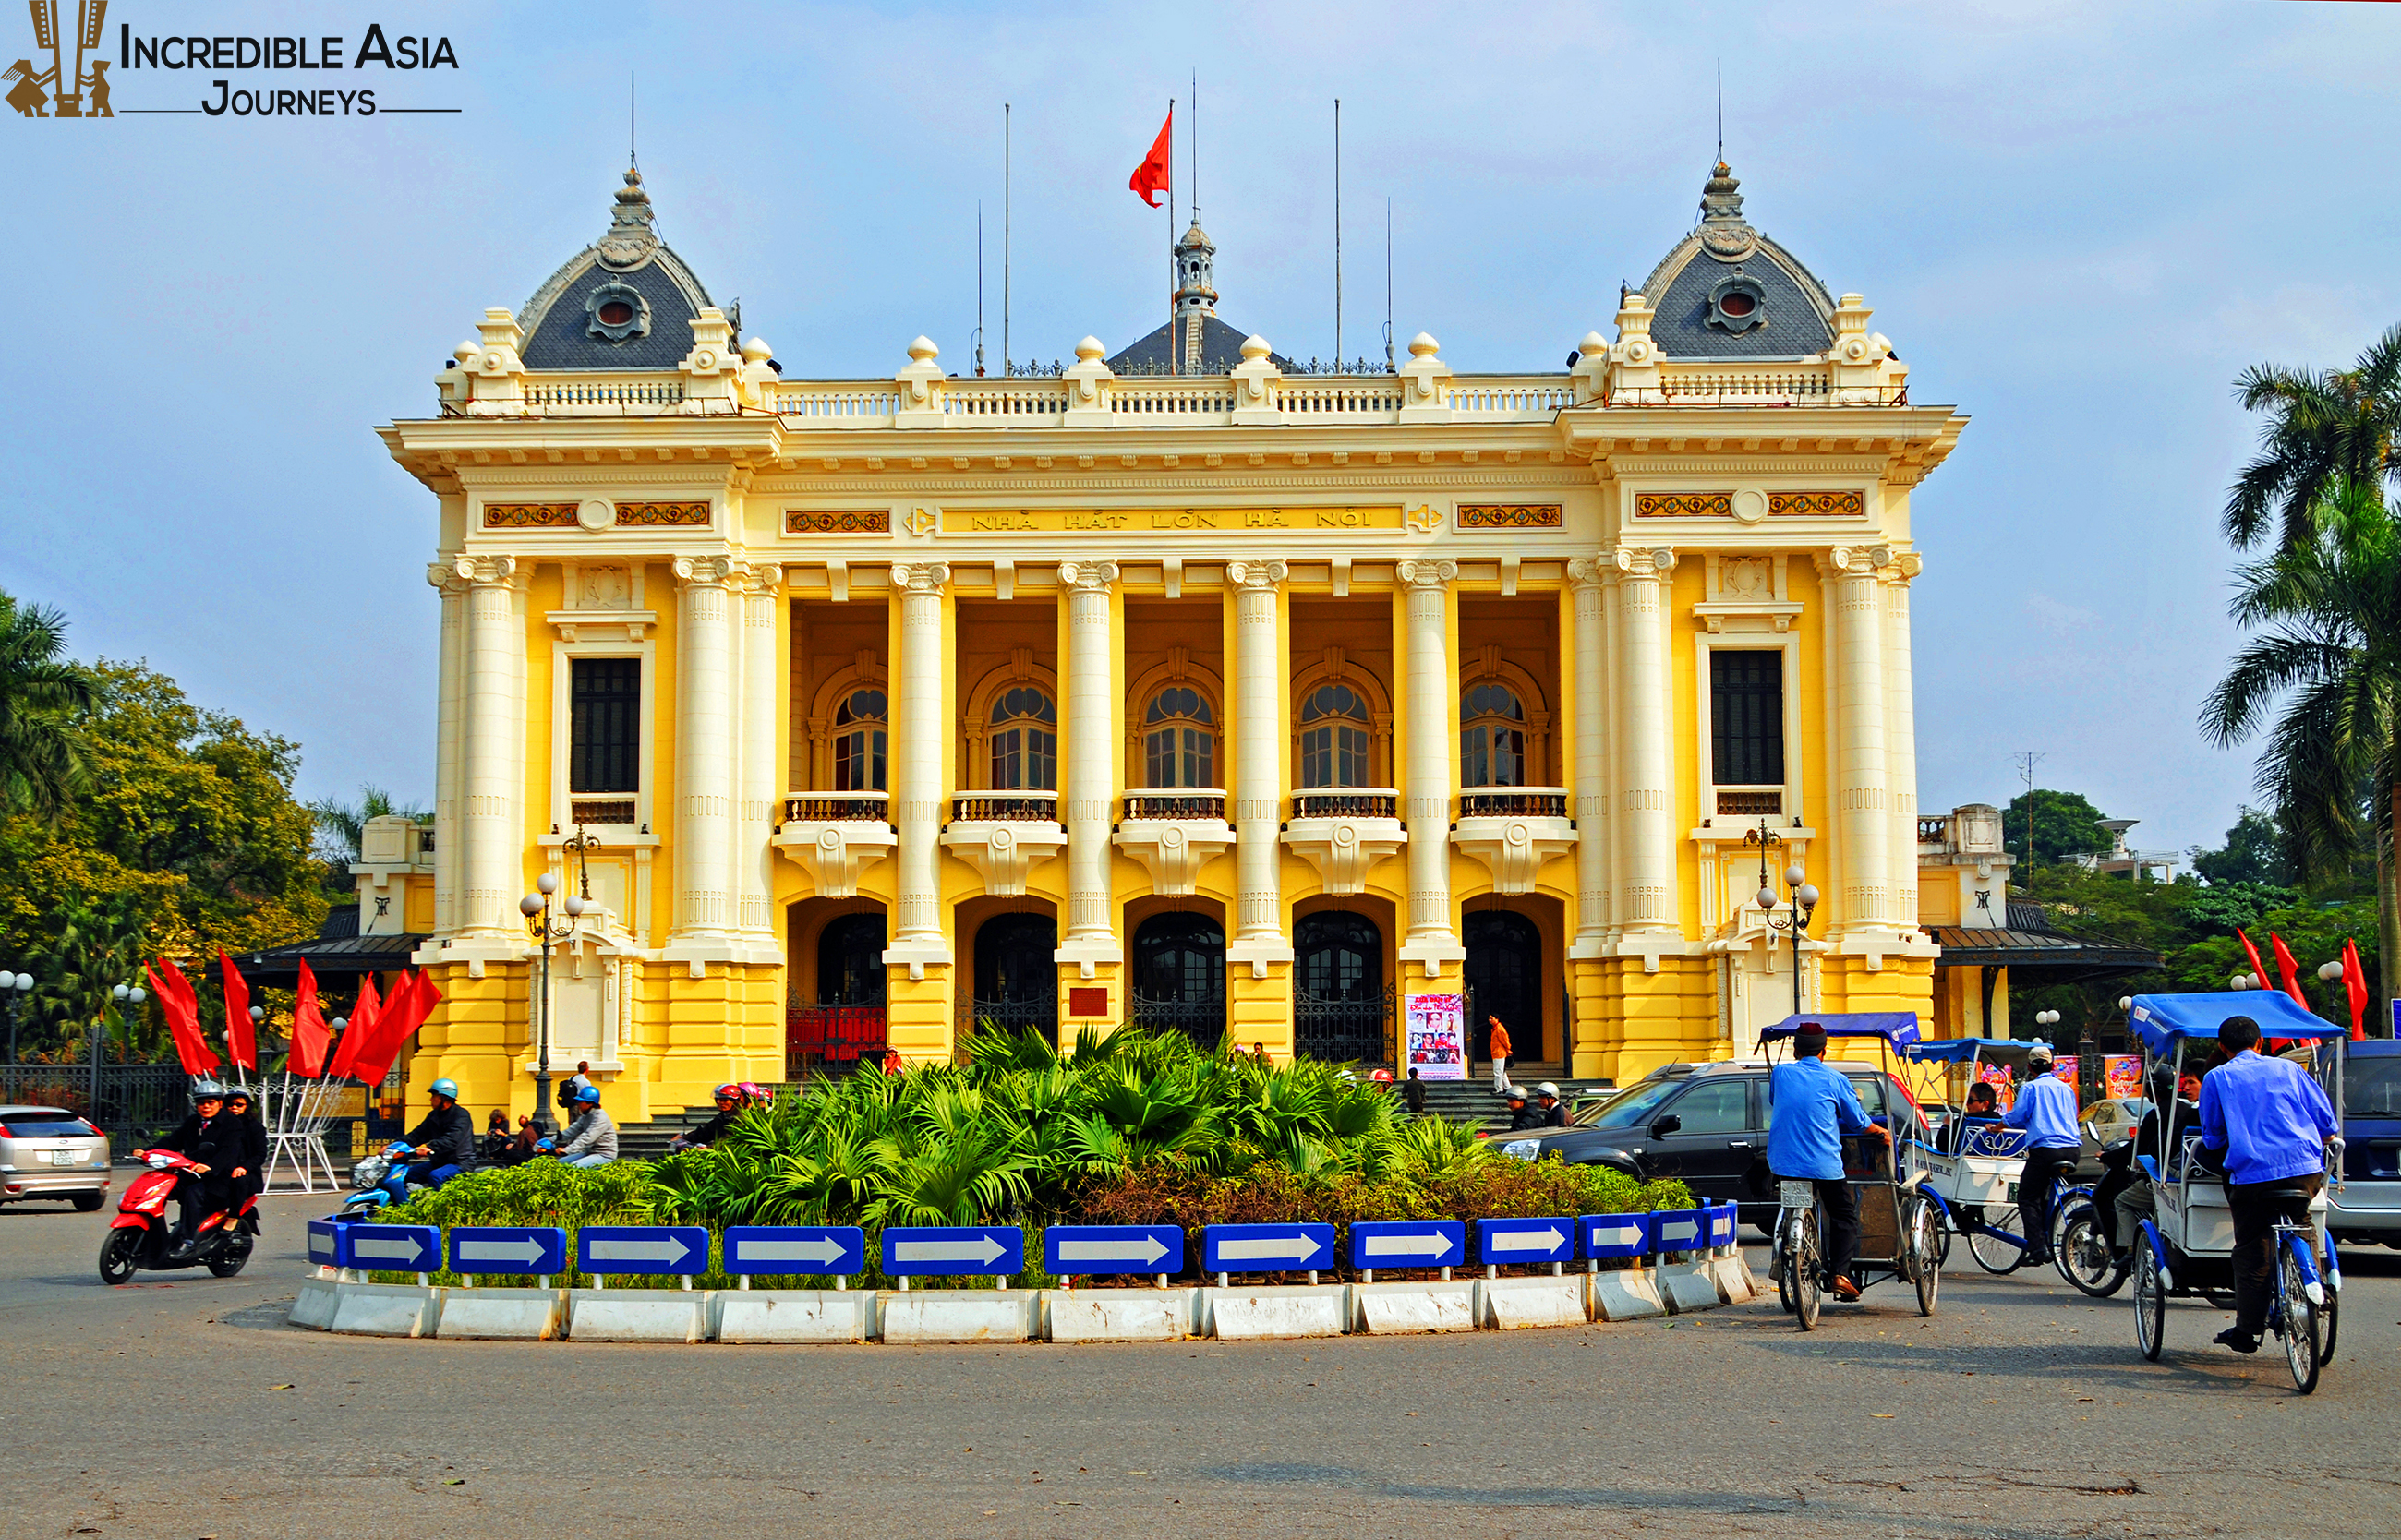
(1806, 505)
(1684, 505)
(1511, 516)
(870, 521)
(656, 514)
(528, 515)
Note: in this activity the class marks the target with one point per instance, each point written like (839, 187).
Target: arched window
(1179, 738)
(860, 742)
(1492, 738)
(1333, 738)
(1025, 741)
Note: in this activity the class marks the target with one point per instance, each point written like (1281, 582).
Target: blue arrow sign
(1722, 1223)
(1505, 1241)
(1679, 1229)
(323, 1242)
(642, 1249)
(1615, 1234)
(537, 1249)
(1408, 1243)
(1086, 1250)
(824, 1249)
(388, 1247)
(1267, 1248)
(948, 1251)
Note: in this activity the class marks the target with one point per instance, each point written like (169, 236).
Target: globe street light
(544, 930)
(1804, 897)
(124, 995)
(13, 985)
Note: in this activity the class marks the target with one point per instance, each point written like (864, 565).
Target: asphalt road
(181, 1406)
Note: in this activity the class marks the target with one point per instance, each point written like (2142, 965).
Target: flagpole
(1007, 205)
(1175, 279)
(1337, 235)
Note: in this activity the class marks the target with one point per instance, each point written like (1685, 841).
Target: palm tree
(2324, 685)
(340, 826)
(2332, 425)
(41, 696)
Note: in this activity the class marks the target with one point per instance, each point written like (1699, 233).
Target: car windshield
(1632, 1107)
(2372, 1087)
(46, 1126)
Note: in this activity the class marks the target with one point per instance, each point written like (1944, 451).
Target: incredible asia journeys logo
(84, 90)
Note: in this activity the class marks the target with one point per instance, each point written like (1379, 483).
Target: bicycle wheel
(1942, 1231)
(1926, 1257)
(1994, 1243)
(2084, 1257)
(2296, 1321)
(1780, 1265)
(1805, 1269)
(2150, 1301)
(2329, 1316)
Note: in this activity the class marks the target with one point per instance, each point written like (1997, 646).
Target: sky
(2077, 222)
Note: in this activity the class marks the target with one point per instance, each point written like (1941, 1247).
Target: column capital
(1588, 571)
(1258, 575)
(1643, 561)
(1427, 571)
(710, 571)
(920, 576)
(756, 579)
(1855, 561)
(1087, 577)
(446, 577)
(481, 571)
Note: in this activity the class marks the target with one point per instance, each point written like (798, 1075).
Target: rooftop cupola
(624, 302)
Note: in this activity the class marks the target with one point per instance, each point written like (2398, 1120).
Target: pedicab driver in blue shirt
(2045, 1109)
(2267, 1119)
(1810, 1107)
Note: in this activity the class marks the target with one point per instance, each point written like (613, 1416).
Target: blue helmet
(445, 1086)
(587, 1095)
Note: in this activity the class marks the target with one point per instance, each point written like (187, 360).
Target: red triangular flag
(2354, 983)
(241, 1044)
(2258, 969)
(2292, 970)
(412, 1001)
(1151, 177)
(360, 1027)
(177, 1003)
(310, 1035)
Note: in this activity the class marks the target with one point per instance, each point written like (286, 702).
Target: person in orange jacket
(1499, 1056)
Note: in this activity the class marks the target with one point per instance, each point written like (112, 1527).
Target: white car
(50, 1153)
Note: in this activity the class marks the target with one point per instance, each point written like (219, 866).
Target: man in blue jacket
(2045, 1109)
(2268, 1120)
(1810, 1107)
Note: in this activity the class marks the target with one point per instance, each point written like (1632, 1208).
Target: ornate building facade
(1234, 700)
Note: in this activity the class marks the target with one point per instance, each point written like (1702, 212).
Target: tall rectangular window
(1746, 717)
(605, 735)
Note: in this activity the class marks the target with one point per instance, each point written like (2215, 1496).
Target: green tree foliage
(42, 697)
(2254, 853)
(340, 828)
(2065, 825)
(2323, 429)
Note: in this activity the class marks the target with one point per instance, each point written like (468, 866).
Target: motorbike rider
(210, 1141)
(2264, 1121)
(591, 1140)
(2045, 1110)
(1547, 1106)
(1522, 1115)
(1810, 1107)
(442, 1142)
(730, 1102)
(248, 1179)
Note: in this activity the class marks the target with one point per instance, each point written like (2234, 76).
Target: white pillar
(1644, 824)
(754, 858)
(1586, 664)
(1086, 755)
(706, 703)
(1260, 724)
(491, 769)
(1900, 743)
(452, 665)
(917, 770)
(1862, 793)
(1431, 748)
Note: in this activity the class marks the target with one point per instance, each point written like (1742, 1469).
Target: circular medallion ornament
(596, 515)
(1751, 505)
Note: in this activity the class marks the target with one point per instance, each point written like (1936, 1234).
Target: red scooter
(142, 1236)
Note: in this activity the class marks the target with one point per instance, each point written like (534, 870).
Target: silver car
(51, 1154)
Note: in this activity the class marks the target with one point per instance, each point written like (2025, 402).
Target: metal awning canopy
(343, 958)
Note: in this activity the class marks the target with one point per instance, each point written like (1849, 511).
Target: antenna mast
(1174, 273)
(1337, 235)
(632, 158)
(1720, 111)
(2026, 759)
(979, 336)
(1388, 287)
(1005, 366)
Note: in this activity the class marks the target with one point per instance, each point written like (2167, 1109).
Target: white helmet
(1548, 1089)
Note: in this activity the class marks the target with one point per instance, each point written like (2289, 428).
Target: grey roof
(1221, 350)
(558, 321)
(1795, 309)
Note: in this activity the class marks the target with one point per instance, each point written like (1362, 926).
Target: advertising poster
(1435, 1037)
(2125, 1074)
(2005, 1091)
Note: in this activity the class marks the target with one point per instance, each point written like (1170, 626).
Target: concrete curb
(1625, 1294)
(637, 1314)
(959, 1315)
(794, 1316)
(1285, 1309)
(1510, 1304)
(504, 1315)
(1687, 1286)
(1385, 1309)
(314, 1308)
(1118, 1314)
(386, 1310)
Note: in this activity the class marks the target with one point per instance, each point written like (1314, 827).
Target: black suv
(1704, 1124)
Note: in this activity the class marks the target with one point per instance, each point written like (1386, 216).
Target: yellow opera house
(1318, 711)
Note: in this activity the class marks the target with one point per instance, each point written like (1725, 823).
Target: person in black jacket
(1522, 1117)
(444, 1141)
(729, 1107)
(1413, 1092)
(248, 1176)
(210, 1141)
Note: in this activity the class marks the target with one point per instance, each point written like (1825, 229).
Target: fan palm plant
(42, 696)
(2326, 427)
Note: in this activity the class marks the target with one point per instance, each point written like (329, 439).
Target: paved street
(184, 1407)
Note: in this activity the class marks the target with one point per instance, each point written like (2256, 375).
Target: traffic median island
(1120, 1315)
(637, 1314)
(1390, 1309)
(795, 1316)
(958, 1314)
(503, 1314)
(1239, 1312)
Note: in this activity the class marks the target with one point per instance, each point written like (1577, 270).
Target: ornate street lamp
(545, 932)
(12, 985)
(124, 995)
(1804, 897)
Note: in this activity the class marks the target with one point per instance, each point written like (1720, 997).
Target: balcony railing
(831, 1037)
(1934, 830)
(604, 810)
(1347, 802)
(1750, 804)
(1201, 1020)
(837, 807)
(1189, 803)
(601, 396)
(1006, 806)
(1513, 802)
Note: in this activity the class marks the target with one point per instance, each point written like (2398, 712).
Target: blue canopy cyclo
(2186, 1245)
(1972, 1162)
(1897, 1237)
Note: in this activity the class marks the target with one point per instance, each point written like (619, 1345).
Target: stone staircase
(1472, 1101)
(649, 1140)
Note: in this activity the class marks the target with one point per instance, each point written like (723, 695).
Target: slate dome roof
(623, 302)
(1728, 292)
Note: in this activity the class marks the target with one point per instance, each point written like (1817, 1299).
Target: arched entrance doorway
(1016, 976)
(847, 1022)
(1504, 979)
(1179, 977)
(1341, 1009)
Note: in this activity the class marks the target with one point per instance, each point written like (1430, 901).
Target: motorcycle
(143, 1237)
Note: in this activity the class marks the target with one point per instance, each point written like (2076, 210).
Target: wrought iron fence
(1201, 1020)
(1343, 1030)
(831, 1037)
(135, 1101)
(1011, 1016)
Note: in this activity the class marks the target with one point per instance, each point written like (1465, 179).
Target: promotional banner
(1433, 1037)
(2005, 1090)
(2125, 1074)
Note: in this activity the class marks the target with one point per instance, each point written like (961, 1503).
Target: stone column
(1425, 792)
(453, 589)
(1086, 755)
(1863, 785)
(917, 768)
(491, 760)
(706, 707)
(1589, 767)
(1644, 827)
(754, 858)
(1257, 753)
(1900, 743)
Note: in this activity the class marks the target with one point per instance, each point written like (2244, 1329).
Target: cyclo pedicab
(2186, 1246)
(1896, 1222)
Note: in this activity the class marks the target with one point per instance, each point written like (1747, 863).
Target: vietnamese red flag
(2258, 969)
(2292, 970)
(2354, 983)
(411, 1003)
(360, 1027)
(1152, 178)
(310, 1034)
(241, 1042)
(181, 1008)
